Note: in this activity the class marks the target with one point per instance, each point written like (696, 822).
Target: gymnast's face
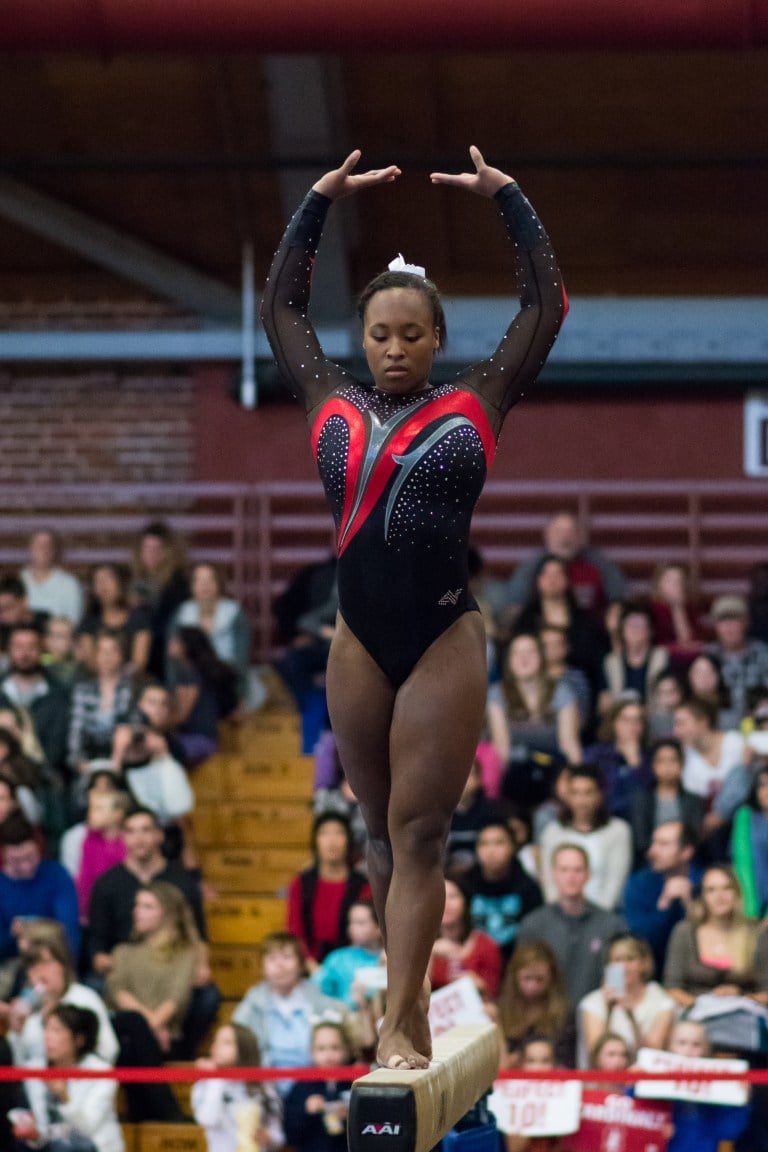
(400, 339)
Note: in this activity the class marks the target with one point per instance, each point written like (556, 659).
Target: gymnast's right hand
(344, 181)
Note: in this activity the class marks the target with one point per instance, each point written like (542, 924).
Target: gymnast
(403, 463)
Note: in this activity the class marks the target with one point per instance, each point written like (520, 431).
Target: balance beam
(401, 1110)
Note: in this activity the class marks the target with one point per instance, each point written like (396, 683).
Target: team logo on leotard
(377, 447)
(451, 598)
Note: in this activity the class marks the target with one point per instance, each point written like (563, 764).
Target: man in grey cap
(744, 662)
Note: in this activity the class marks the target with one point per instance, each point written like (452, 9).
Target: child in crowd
(337, 974)
(535, 1054)
(316, 1111)
(611, 1053)
(701, 1127)
(236, 1114)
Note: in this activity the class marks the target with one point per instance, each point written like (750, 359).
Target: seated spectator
(705, 682)
(552, 603)
(58, 655)
(659, 896)
(627, 1002)
(307, 589)
(227, 1108)
(153, 973)
(676, 622)
(472, 812)
(606, 839)
(15, 609)
(536, 1054)
(28, 686)
(715, 949)
(639, 662)
(534, 724)
(341, 801)
(27, 776)
(319, 897)
(158, 782)
(158, 585)
(32, 886)
(67, 1112)
(749, 845)
(573, 927)
(594, 578)
(151, 712)
(99, 703)
(108, 608)
(316, 1111)
(500, 891)
(281, 1009)
(110, 913)
(303, 664)
(664, 800)
(744, 662)
(461, 950)
(13, 802)
(709, 753)
(220, 618)
(622, 755)
(554, 643)
(337, 975)
(90, 848)
(665, 695)
(611, 1053)
(203, 693)
(50, 972)
(533, 1003)
(49, 587)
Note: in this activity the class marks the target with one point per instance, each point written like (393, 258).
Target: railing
(260, 534)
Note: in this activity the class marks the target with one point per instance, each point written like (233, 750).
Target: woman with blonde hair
(153, 973)
(717, 950)
(533, 1001)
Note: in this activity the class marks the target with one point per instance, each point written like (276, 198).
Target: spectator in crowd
(203, 692)
(158, 782)
(573, 927)
(622, 755)
(220, 618)
(99, 703)
(310, 587)
(665, 799)
(461, 949)
(639, 662)
(716, 949)
(15, 609)
(500, 891)
(49, 587)
(552, 603)
(709, 753)
(534, 724)
(554, 643)
(26, 776)
(90, 848)
(666, 693)
(110, 915)
(337, 975)
(108, 607)
(316, 1112)
(12, 803)
(32, 886)
(628, 1001)
(594, 578)
(151, 713)
(606, 839)
(473, 811)
(749, 844)
(705, 682)
(657, 897)
(67, 1112)
(611, 1053)
(159, 585)
(676, 622)
(27, 686)
(153, 973)
(320, 897)
(228, 1108)
(341, 801)
(58, 653)
(280, 1010)
(533, 1003)
(303, 664)
(744, 661)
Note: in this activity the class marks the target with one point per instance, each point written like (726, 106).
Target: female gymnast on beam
(403, 463)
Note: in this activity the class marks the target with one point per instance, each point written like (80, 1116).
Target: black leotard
(403, 473)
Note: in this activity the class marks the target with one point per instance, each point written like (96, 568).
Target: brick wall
(96, 426)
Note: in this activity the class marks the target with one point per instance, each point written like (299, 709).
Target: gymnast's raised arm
(504, 376)
(286, 297)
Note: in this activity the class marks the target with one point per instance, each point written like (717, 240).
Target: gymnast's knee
(420, 839)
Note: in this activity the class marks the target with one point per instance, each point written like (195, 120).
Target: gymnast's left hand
(485, 181)
(344, 181)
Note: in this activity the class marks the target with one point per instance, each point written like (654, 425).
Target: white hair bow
(399, 265)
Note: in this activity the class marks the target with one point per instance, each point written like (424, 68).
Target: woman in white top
(79, 1110)
(607, 840)
(221, 618)
(627, 1003)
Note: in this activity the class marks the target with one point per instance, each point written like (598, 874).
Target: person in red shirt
(461, 950)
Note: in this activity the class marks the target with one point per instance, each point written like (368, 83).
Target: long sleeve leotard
(402, 474)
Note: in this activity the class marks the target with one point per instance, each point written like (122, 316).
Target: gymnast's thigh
(436, 725)
(360, 704)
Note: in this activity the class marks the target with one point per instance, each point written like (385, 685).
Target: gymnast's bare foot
(399, 1048)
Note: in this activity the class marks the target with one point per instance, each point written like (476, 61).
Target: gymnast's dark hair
(389, 279)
